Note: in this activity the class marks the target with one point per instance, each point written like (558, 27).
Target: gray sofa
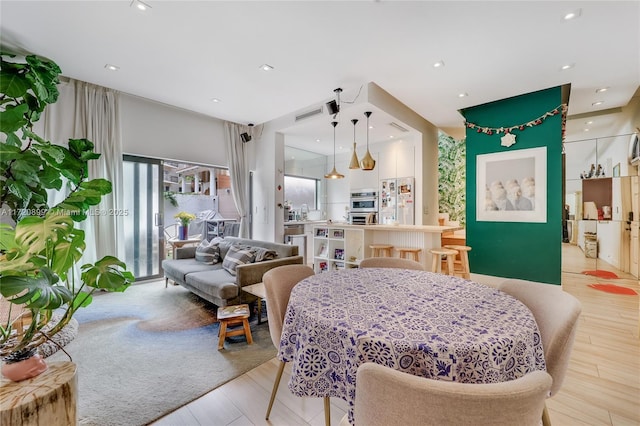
(214, 283)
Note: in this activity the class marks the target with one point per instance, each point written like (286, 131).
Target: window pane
(299, 191)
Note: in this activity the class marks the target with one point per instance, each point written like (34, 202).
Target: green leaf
(33, 232)
(102, 186)
(13, 140)
(39, 292)
(7, 237)
(12, 118)
(82, 300)
(108, 273)
(20, 190)
(66, 254)
(13, 83)
(50, 178)
(9, 152)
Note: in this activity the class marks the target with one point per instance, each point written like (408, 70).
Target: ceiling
(186, 54)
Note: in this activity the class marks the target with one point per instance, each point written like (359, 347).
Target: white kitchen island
(339, 245)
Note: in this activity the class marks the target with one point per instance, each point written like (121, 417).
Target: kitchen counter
(405, 228)
(305, 222)
(355, 241)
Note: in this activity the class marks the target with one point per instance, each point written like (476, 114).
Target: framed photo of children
(512, 186)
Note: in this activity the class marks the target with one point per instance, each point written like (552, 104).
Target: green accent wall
(530, 251)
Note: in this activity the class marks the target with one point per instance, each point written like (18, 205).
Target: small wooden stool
(437, 253)
(234, 315)
(463, 263)
(381, 250)
(412, 253)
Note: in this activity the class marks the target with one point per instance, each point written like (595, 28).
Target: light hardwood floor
(602, 386)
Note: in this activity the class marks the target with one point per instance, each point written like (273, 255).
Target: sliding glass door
(143, 226)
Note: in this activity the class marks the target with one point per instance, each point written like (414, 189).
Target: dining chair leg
(276, 383)
(327, 411)
(546, 421)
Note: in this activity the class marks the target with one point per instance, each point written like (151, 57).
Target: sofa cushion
(216, 283)
(237, 256)
(177, 269)
(224, 247)
(208, 251)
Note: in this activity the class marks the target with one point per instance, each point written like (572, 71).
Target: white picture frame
(500, 176)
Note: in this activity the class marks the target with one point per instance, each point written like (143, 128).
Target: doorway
(142, 197)
(601, 197)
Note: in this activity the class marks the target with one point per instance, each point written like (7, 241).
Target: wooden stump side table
(47, 399)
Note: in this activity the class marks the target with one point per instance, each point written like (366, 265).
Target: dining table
(427, 324)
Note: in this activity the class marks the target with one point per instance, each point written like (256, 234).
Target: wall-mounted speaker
(246, 137)
(333, 107)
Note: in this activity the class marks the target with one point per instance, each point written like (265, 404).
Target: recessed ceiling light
(140, 5)
(588, 122)
(438, 64)
(602, 89)
(572, 15)
(463, 95)
(567, 66)
(390, 136)
(266, 67)
(216, 100)
(112, 67)
(597, 103)
(317, 140)
(586, 129)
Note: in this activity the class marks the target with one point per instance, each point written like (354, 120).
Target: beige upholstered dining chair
(390, 262)
(389, 397)
(556, 313)
(278, 283)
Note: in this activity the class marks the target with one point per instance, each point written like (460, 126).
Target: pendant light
(368, 163)
(355, 164)
(334, 174)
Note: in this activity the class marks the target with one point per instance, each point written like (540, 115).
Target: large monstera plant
(41, 244)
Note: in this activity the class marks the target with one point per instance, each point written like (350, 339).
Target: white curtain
(88, 111)
(239, 172)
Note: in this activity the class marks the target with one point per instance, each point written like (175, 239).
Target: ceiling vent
(309, 113)
(398, 127)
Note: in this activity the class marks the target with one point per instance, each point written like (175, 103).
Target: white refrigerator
(397, 201)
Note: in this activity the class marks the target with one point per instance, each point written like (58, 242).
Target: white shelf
(337, 247)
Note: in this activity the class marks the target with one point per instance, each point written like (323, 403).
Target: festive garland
(562, 108)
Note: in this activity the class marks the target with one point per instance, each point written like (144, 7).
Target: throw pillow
(224, 247)
(208, 252)
(236, 256)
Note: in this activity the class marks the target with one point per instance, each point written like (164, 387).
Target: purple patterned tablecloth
(431, 325)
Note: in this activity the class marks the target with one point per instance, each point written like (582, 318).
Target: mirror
(599, 202)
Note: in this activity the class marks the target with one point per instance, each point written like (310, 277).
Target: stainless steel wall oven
(364, 201)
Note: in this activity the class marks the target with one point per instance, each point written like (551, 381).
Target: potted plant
(41, 244)
(184, 219)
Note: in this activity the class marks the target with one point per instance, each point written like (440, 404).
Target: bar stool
(463, 264)
(381, 250)
(233, 315)
(412, 253)
(436, 264)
